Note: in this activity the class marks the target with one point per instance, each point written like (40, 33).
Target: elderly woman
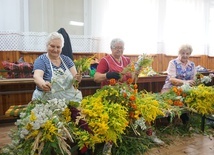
(54, 73)
(111, 65)
(180, 70)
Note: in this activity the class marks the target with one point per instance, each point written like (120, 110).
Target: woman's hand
(46, 86)
(78, 77)
(190, 82)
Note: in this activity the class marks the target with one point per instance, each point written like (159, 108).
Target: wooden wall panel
(80, 55)
(159, 64)
(30, 56)
(165, 61)
(210, 63)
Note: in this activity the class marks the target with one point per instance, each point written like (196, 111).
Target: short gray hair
(115, 41)
(185, 47)
(55, 35)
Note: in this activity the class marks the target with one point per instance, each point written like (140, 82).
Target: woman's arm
(99, 77)
(76, 76)
(40, 82)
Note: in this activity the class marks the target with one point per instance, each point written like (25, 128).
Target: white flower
(60, 124)
(23, 133)
(206, 79)
(22, 114)
(18, 122)
(140, 122)
(151, 73)
(50, 110)
(185, 88)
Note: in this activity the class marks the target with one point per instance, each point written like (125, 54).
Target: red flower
(84, 149)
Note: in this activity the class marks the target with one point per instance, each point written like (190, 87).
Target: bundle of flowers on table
(59, 127)
(43, 129)
(115, 109)
(198, 99)
(204, 79)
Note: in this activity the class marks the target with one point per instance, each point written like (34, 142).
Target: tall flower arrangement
(82, 66)
(134, 68)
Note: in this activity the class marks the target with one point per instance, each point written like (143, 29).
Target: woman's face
(184, 55)
(117, 50)
(55, 48)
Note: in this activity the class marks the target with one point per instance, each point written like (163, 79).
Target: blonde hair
(185, 47)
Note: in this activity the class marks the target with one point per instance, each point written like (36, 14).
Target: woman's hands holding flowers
(46, 86)
(113, 75)
(78, 77)
(190, 82)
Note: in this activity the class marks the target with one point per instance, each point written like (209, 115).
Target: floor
(196, 145)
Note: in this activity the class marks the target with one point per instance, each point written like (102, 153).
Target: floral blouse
(177, 70)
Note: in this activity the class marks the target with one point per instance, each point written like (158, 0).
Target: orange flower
(175, 89)
(124, 95)
(135, 91)
(132, 67)
(112, 82)
(131, 114)
(184, 94)
(132, 98)
(179, 91)
(130, 80)
(170, 101)
(133, 106)
(178, 103)
(135, 86)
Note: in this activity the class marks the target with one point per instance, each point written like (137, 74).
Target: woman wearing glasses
(111, 65)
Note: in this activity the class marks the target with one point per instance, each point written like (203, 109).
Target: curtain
(156, 26)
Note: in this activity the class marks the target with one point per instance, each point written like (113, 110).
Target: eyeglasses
(118, 48)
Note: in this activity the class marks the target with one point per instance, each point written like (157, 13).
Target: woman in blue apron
(55, 73)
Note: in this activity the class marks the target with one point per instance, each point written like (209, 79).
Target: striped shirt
(43, 63)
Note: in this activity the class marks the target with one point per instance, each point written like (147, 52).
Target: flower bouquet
(198, 99)
(43, 129)
(82, 66)
(134, 68)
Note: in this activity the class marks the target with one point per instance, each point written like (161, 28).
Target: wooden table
(19, 91)
(151, 84)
